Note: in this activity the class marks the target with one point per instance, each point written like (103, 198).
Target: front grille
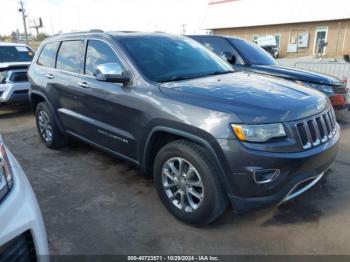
(19, 249)
(19, 77)
(317, 130)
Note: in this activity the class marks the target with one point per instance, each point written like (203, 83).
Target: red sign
(215, 2)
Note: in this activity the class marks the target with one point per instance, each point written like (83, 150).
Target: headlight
(3, 76)
(323, 88)
(258, 133)
(5, 172)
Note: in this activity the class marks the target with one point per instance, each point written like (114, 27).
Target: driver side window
(98, 53)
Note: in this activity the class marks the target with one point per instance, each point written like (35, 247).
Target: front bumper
(296, 169)
(20, 215)
(11, 93)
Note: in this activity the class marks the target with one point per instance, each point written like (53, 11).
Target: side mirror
(229, 57)
(112, 72)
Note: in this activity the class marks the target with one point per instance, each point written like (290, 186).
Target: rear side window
(98, 53)
(69, 56)
(48, 55)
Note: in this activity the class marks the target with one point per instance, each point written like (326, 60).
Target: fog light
(265, 176)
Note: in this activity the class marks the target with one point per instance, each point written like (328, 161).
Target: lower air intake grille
(318, 129)
(19, 249)
(19, 77)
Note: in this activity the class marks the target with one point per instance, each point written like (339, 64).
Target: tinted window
(164, 58)
(252, 53)
(48, 55)
(98, 53)
(15, 54)
(217, 45)
(69, 56)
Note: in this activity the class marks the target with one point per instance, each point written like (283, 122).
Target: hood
(295, 74)
(14, 65)
(252, 98)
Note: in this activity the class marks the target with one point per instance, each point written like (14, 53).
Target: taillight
(337, 100)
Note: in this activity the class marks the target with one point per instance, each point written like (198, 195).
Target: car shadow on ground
(8, 112)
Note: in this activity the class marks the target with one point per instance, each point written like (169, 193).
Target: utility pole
(24, 16)
(183, 31)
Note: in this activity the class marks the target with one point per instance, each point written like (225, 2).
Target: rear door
(108, 107)
(66, 81)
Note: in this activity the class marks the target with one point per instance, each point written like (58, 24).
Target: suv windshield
(252, 53)
(165, 59)
(15, 54)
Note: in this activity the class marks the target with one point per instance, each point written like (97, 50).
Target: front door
(320, 40)
(109, 108)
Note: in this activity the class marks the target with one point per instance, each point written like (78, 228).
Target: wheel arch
(37, 97)
(160, 136)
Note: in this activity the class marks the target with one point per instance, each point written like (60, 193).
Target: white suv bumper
(20, 213)
(16, 92)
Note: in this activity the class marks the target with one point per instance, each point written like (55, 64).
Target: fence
(337, 69)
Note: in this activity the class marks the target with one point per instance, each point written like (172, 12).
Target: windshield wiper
(179, 78)
(219, 73)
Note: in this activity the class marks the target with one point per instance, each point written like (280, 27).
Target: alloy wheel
(45, 126)
(182, 184)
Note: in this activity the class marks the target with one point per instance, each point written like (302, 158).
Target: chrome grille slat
(324, 128)
(318, 135)
(317, 130)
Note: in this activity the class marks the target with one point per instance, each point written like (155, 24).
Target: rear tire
(188, 183)
(48, 130)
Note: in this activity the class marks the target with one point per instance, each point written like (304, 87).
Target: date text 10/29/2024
(174, 258)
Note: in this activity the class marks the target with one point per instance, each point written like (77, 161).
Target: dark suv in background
(207, 134)
(247, 56)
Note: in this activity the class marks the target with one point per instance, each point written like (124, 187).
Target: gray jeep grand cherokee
(209, 135)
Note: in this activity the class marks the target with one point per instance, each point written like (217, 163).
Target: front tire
(48, 130)
(188, 183)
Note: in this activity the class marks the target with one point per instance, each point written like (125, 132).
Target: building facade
(300, 39)
(299, 26)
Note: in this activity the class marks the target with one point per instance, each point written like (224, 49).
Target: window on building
(255, 38)
(278, 40)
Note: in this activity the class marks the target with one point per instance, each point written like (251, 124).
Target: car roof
(12, 44)
(100, 33)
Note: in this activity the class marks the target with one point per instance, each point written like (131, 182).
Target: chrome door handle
(83, 84)
(49, 76)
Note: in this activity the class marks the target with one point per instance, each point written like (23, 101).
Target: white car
(14, 62)
(22, 230)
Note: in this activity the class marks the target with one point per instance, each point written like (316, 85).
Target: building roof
(248, 13)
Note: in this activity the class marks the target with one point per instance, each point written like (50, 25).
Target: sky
(72, 15)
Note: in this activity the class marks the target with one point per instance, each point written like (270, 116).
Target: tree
(41, 36)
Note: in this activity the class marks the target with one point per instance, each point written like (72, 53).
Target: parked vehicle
(14, 62)
(207, 133)
(269, 44)
(247, 56)
(22, 234)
